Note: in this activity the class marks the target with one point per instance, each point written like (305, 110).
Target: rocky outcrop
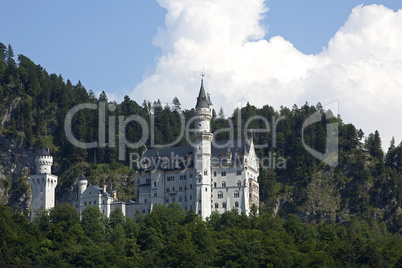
(15, 167)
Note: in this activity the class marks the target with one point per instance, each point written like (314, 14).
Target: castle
(204, 176)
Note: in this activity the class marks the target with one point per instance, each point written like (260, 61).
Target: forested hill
(366, 184)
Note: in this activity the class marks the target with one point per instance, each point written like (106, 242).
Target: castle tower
(202, 150)
(82, 184)
(43, 183)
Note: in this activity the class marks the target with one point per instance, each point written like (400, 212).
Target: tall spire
(202, 100)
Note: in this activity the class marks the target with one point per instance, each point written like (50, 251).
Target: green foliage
(363, 192)
(169, 237)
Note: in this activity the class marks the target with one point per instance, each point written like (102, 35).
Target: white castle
(204, 177)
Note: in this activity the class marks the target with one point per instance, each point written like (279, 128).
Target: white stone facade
(89, 195)
(43, 183)
(208, 176)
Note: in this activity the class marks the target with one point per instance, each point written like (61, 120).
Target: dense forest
(170, 237)
(345, 215)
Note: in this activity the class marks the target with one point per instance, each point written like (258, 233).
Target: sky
(275, 52)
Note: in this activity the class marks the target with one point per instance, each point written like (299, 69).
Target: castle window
(180, 188)
(166, 200)
(90, 202)
(191, 186)
(214, 173)
(85, 203)
(224, 184)
(238, 172)
(94, 202)
(191, 207)
(185, 199)
(223, 173)
(224, 205)
(168, 190)
(173, 189)
(214, 184)
(143, 211)
(155, 194)
(103, 201)
(191, 197)
(216, 205)
(206, 189)
(173, 199)
(236, 194)
(205, 172)
(238, 183)
(103, 211)
(145, 200)
(180, 199)
(199, 211)
(220, 194)
(236, 204)
(154, 183)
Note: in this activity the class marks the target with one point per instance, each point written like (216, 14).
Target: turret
(43, 183)
(203, 111)
(43, 162)
(202, 149)
(82, 184)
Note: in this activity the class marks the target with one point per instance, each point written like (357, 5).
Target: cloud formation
(361, 67)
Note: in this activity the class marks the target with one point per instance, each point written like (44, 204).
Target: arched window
(236, 204)
(224, 184)
(236, 194)
(216, 205)
(224, 205)
(205, 172)
(220, 194)
(238, 183)
(214, 173)
(223, 173)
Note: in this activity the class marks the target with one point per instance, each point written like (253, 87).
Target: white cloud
(361, 66)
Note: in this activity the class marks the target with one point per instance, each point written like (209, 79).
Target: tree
(9, 58)
(3, 50)
(93, 223)
(176, 103)
(373, 145)
(221, 115)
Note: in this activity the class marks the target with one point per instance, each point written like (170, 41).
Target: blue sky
(116, 47)
(108, 45)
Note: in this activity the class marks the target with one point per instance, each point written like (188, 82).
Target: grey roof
(99, 189)
(178, 158)
(43, 152)
(209, 99)
(182, 157)
(202, 100)
(82, 178)
(222, 151)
